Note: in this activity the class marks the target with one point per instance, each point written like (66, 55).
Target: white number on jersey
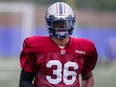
(65, 74)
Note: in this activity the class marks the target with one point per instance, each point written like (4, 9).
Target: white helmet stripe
(56, 8)
(64, 7)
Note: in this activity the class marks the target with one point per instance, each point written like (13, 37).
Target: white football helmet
(60, 20)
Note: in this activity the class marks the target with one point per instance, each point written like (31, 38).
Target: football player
(57, 60)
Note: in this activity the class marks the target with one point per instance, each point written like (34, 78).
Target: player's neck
(61, 42)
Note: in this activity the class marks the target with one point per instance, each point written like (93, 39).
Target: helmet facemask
(60, 28)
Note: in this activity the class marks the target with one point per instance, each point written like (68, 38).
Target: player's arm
(87, 80)
(26, 79)
(28, 65)
(89, 65)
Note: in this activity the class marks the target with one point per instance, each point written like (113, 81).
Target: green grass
(105, 76)
(9, 72)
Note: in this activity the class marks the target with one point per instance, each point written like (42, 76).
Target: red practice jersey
(54, 66)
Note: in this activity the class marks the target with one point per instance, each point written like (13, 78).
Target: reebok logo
(80, 52)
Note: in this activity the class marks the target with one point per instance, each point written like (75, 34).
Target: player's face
(60, 28)
(61, 24)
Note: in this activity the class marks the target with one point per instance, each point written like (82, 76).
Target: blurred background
(96, 20)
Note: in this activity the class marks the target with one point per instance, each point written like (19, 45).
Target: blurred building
(24, 18)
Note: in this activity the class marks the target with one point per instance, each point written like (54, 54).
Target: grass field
(105, 76)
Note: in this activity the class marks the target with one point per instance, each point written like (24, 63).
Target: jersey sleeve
(90, 59)
(27, 58)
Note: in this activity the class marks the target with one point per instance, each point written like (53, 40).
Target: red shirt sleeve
(90, 59)
(27, 59)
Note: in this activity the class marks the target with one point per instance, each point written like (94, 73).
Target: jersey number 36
(58, 72)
